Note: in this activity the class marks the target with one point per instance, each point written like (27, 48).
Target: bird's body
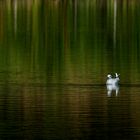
(113, 81)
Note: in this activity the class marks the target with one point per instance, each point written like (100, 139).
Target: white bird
(111, 80)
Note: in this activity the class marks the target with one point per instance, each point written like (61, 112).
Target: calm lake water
(54, 59)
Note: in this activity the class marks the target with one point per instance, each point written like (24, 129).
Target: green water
(70, 42)
(54, 59)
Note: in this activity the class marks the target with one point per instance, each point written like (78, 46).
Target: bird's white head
(109, 76)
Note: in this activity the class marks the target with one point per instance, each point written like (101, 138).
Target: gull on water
(113, 80)
(112, 84)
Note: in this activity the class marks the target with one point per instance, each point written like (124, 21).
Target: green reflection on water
(69, 41)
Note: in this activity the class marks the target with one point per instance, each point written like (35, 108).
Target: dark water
(54, 59)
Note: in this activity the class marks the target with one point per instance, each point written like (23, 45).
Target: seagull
(113, 80)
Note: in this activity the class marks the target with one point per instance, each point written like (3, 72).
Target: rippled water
(68, 112)
(54, 59)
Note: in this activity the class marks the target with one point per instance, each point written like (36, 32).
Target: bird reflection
(112, 88)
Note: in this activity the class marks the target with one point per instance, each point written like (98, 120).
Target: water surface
(54, 58)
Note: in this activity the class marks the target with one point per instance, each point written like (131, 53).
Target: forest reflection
(70, 41)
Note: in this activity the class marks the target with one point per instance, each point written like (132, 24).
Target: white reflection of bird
(111, 80)
(111, 88)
